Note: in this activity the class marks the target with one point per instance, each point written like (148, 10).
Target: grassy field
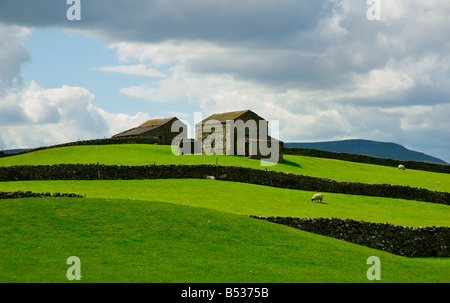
(249, 199)
(143, 241)
(142, 154)
(193, 230)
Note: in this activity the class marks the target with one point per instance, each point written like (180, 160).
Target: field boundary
(28, 194)
(400, 240)
(409, 164)
(227, 173)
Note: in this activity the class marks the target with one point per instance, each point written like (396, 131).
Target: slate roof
(156, 122)
(223, 117)
(144, 127)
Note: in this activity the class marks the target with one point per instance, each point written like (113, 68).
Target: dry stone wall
(432, 167)
(28, 194)
(228, 173)
(405, 241)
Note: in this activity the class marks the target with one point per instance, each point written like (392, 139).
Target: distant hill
(369, 148)
(14, 151)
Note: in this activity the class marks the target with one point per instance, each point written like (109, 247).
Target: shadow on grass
(287, 162)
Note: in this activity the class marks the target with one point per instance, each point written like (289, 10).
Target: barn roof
(144, 127)
(156, 122)
(223, 117)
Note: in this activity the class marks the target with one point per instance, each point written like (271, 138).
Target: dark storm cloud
(269, 31)
(136, 20)
(308, 44)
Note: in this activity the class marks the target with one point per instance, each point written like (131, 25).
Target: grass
(248, 199)
(142, 241)
(194, 231)
(142, 154)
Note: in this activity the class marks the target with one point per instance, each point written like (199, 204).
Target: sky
(326, 70)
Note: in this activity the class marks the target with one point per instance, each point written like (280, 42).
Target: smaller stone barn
(158, 129)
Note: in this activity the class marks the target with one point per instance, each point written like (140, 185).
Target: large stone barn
(236, 133)
(158, 129)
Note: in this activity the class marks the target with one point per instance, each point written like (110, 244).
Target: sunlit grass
(142, 241)
(143, 154)
(195, 232)
(248, 199)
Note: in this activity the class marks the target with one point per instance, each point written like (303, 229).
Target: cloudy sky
(322, 68)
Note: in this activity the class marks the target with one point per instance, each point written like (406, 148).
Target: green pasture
(143, 241)
(143, 154)
(191, 230)
(249, 199)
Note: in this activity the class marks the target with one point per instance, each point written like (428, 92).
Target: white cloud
(420, 117)
(137, 70)
(119, 122)
(166, 52)
(13, 55)
(33, 116)
(385, 84)
(50, 116)
(53, 116)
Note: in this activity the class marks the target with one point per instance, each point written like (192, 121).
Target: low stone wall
(400, 240)
(432, 167)
(28, 194)
(228, 173)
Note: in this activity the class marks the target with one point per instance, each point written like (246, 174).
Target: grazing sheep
(317, 197)
(210, 178)
(401, 166)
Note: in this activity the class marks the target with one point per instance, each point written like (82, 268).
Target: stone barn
(158, 129)
(236, 133)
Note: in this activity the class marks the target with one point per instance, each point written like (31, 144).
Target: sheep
(401, 166)
(318, 196)
(210, 178)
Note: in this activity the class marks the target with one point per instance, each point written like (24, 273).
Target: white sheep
(401, 166)
(318, 196)
(210, 178)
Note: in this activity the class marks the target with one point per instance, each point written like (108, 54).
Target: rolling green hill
(192, 230)
(249, 199)
(143, 241)
(142, 154)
